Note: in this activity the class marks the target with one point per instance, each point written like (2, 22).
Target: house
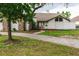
(76, 21)
(53, 21)
(43, 21)
(17, 26)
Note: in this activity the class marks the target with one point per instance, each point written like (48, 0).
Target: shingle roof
(46, 16)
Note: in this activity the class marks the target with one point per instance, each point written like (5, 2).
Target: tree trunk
(30, 25)
(24, 25)
(9, 30)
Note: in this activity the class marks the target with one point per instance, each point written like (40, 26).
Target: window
(56, 19)
(60, 19)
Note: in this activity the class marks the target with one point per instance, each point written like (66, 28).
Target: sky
(59, 7)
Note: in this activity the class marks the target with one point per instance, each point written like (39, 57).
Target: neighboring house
(53, 21)
(76, 21)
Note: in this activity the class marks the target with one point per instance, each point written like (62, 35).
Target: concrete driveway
(62, 41)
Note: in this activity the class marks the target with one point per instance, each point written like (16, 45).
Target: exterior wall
(50, 25)
(1, 26)
(60, 25)
(27, 26)
(15, 25)
(4, 25)
(18, 25)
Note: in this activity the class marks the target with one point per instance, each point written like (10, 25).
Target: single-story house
(18, 25)
(53, 21)
(43, 21)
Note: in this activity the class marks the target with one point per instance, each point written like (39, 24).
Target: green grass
(58, 33)
(32, 47)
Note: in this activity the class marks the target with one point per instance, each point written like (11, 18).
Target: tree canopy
(66, 14)
(13, 11)
(29, 11)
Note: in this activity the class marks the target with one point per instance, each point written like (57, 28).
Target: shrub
(14, 29)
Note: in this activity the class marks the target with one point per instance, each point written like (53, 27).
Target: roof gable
(41, 17)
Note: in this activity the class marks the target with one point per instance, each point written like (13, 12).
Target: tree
(66, 14)
(12, 12)
(29, 9)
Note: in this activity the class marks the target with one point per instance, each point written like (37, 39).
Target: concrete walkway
(63, 41)
(38, 32)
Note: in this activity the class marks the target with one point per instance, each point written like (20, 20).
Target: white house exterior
(60, 25)
(48, 12)
(1, 26)
(47, 21)
(13, 26)
(76, 21)
(73, 8)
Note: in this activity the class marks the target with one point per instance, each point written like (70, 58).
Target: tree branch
(38, 7)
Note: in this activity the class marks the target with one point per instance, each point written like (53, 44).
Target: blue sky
(59, 7)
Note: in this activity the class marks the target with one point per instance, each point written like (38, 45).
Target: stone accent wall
(5, 24)
(21, 25)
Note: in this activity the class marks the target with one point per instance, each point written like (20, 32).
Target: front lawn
(31, 47)
(58, 33)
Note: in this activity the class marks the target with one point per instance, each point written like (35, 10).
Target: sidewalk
(38, 32)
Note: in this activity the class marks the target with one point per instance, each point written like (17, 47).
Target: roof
(75, 18)
(46, 16)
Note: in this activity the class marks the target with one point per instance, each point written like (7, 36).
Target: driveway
(62, 41)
